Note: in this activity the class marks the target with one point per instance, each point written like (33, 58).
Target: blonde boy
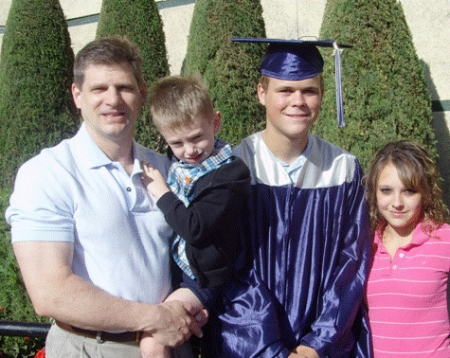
(205, 196)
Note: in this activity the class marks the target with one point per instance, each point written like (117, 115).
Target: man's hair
(264, 81)
(176, 101)
(417, 171)
(109, 50)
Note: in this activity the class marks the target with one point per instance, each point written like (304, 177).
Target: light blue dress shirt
(74, 193)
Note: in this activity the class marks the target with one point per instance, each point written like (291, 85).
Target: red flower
(40, 353)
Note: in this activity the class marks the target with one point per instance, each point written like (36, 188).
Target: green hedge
(140, 21)
(36, 107)
(385, 92)
(15, 304)
(231, 70)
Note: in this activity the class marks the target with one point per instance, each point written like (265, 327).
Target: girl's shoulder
(442, 233)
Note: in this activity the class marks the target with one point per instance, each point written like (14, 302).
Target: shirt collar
(419, 236)
(294, 168)
(89, 153)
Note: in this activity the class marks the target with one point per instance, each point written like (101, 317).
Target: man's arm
(57, 292)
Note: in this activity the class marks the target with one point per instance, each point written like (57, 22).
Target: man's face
(292, 107)
(110, 101)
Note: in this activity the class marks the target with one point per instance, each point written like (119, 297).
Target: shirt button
(394, 267)
(402, 255)
(128, 189)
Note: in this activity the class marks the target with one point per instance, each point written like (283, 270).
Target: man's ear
(76, 93)
(261, 94)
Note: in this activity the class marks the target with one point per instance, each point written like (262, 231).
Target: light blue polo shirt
(74, 193)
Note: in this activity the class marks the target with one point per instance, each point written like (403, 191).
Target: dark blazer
(211, 223)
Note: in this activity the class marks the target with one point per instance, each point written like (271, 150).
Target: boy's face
(193, 143)
(292, 107)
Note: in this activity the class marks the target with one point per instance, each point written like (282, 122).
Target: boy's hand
(151, 348)
(153, 180)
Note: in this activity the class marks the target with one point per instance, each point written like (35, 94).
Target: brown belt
(101, 336)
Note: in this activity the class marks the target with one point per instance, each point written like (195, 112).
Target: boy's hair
(417, 171)
(176, 101)
(264, 81)
(109, 50)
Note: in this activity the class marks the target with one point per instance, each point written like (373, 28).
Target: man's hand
(202, 317)
(176, 323)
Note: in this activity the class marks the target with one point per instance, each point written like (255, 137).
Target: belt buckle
(98, 337)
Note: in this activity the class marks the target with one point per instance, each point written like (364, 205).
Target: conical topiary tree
(36, 107)
(141, 22)
(230, 69)
(385, 91)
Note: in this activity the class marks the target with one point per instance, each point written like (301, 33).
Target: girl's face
(402, 207)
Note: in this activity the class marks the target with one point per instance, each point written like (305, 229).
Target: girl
(407, 285)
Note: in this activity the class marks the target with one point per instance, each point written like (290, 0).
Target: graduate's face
(194, 142)
(402, 207)
(292, 107)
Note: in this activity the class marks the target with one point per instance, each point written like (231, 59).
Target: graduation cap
(294, 60)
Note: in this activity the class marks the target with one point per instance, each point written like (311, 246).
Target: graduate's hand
(303, 352)
(153, 180)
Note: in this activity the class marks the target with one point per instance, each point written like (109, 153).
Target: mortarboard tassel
(338, 78)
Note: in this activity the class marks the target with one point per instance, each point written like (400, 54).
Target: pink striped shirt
(407, 298)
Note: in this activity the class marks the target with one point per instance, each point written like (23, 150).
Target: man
(309, 223)
(90, 242)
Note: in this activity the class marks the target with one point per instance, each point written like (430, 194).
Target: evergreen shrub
(36, 107)
(15, 304)
(385, 92)
(141, 22)
(230, 69)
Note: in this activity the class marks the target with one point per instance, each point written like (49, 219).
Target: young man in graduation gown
(309, 229)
